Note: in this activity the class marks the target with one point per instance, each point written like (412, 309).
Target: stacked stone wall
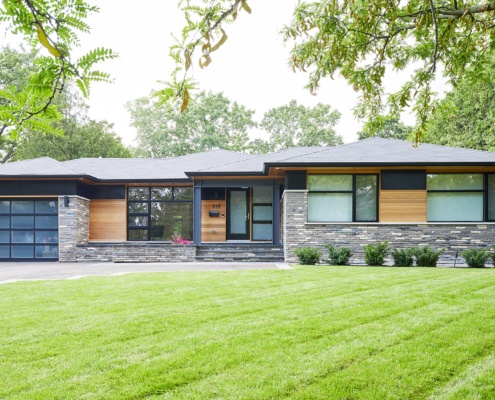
(454, 238)
(135, 252)
(73, 226)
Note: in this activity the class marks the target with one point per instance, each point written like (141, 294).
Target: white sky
(250, 68)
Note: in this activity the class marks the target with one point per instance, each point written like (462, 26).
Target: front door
(238, 214)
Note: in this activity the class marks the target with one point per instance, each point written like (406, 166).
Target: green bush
(476, 258)
(338, 256)
(426, 256)
(308, 255)
(403, 257)
(375, 254)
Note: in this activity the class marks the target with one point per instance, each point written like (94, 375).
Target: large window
(157, 213)
(342, 198)
(455, 197)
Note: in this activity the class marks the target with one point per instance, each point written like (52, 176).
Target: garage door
(28, 230)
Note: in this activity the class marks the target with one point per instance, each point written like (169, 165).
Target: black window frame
(261, 221)
(353, 192)
(148, 213)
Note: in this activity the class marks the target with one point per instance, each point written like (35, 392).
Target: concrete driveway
(21, 271)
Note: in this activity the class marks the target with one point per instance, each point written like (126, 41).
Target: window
(262, 213)
(157, 213)
(342, 198)
(455, 197)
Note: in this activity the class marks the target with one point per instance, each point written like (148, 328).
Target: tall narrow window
(262, 213)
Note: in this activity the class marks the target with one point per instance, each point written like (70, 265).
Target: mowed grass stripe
(367, 353)
(255, 334)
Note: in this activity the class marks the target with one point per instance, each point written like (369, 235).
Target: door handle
(248, 216)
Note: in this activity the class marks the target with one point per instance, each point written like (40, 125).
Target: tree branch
(435, 54)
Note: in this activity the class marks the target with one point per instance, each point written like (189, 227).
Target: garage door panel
(28, 229)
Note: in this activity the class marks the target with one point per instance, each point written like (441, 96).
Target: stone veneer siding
(73, 226)
(454, 237)
(136, 252)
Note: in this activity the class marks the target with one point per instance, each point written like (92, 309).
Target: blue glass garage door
(28, 230)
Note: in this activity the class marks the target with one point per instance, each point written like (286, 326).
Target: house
(350, 195)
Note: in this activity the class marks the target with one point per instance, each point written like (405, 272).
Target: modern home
(234, 206)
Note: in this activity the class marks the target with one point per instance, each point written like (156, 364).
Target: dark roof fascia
(92, 178)
(201, 174)
(73, 177)
(378, 164)
(176, 180)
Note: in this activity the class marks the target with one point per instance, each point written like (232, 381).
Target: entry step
(229, 252)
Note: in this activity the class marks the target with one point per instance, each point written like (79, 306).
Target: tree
(466, 117)
(391, 128)
(361, 40)
(294, 125)
(81, 137)
(212, 121)
(55, 26)
(16, 70)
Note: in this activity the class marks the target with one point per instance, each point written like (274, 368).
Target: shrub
(308, 255)
(403, 257)
(375, 254)
(476, 258)
(426, 256)
(338, 256)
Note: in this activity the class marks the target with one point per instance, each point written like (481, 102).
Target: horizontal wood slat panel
(107, 221)
(403, 206)
(216, 224)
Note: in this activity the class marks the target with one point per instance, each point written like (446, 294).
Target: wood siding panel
(216, 224)
(403, 206)
(107, 221)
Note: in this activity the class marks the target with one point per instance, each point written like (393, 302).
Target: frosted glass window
(4, 237)
(455, 206)
(22, 207)
(455, 182)
(262, 195)
(4, 251)
(262, 231)
(4, 221)
(22, 237)
(4, 207)
(45, 222)
(46, 251)
(22, 251)
(330, 182)
(46, 207)
(330, 207)
(262, 213)
(46, 237)
(366, 197)
(22, 222)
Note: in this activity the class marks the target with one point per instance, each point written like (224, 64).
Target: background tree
(80, 137)
(466, 117)
(294, 125)
(391, 128)
(210, 122)
(362, 41)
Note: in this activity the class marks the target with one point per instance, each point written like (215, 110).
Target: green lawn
(308, 333)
